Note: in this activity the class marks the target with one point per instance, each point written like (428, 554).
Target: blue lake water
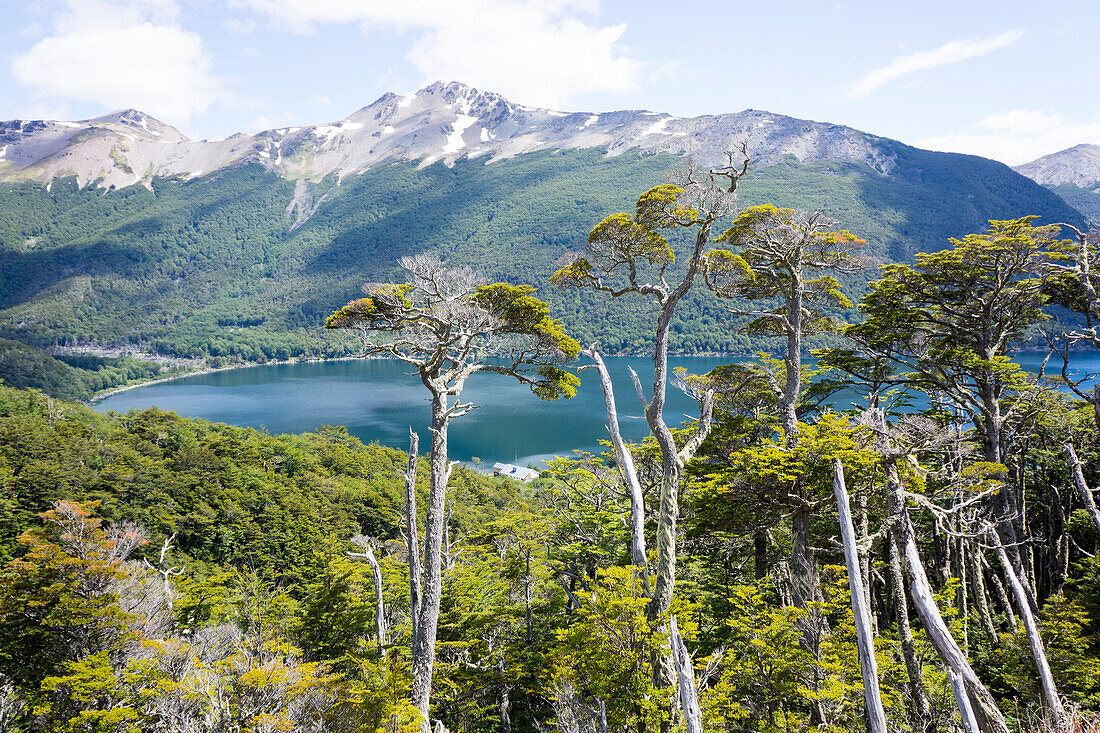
(378, 400)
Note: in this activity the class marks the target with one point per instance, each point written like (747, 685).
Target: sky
(1007, 80)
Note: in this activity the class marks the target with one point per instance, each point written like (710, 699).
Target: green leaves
(658, 208)
(555, 383)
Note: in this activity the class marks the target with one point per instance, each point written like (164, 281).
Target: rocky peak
(1078, 166)
(441, 122)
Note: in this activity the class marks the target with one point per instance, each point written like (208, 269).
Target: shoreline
(212, 370)
(209, 370)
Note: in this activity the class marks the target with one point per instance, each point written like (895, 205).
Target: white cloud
(121, 53)
(1019, 136)
(949, 53)
(542, 53)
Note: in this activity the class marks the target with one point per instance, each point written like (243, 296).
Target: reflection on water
(378, 400)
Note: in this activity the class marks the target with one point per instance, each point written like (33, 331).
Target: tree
(448, 324)
(951, 322)
(629, 255)
(777, 252)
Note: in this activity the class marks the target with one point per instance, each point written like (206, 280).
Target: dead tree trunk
(986, 712)
(412, 541)
(921, 712)
(966, 712)
(685, 673)
(1082, 486)
(379, 609)
(626, 468)
(861, 613)
(1046, 679)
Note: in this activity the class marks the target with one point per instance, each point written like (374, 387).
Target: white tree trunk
(685, 673)
(861, 613)
(1082, 487)
(379, 610)
(626, 466)
(1046, 679)
(988, 715)
(413, 541)
(966, 712)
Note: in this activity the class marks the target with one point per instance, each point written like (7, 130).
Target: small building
(517, 472)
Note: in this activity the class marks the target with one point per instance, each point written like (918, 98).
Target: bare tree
(896, 445)
(366, 543)
(861, 612)
(448, 324)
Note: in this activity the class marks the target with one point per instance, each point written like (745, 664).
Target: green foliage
(70, 377)
(1070, 649)
(604, 654)
(212, 267)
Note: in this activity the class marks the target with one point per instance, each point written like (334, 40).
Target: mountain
(440, 122)
(119, 230)
(1074, 174)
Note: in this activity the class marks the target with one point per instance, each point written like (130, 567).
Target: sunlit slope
(230, 265)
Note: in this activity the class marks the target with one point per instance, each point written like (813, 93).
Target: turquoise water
(378, 400)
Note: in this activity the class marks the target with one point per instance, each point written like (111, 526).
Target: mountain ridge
(441, 122)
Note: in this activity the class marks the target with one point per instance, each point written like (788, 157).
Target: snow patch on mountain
(436, 123)
(454, 140)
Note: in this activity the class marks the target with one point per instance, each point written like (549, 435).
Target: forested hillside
(217, 267)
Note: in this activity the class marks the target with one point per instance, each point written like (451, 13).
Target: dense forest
(242, 266)
(923, 561)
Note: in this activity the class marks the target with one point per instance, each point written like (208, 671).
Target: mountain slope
(1074, 174)
(247, 259)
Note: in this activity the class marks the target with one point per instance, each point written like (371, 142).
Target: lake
(379, 399)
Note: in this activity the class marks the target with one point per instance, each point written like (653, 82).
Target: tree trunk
(505, 701)
(626, 467)
(413, 541)
(1046, 679)
(804, 589)
(986, 712)
(423, 653)
(966, 712)
(760, 554)
(921, 710)
(379, 611)
(981, 600)
(1082, 487)
(685, 673)
(865, 558)
(861, 612)
(1002, 596)
(1096, 403)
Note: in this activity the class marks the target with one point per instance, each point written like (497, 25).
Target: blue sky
(1008, 80)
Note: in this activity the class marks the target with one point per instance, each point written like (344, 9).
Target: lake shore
(212, 370)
